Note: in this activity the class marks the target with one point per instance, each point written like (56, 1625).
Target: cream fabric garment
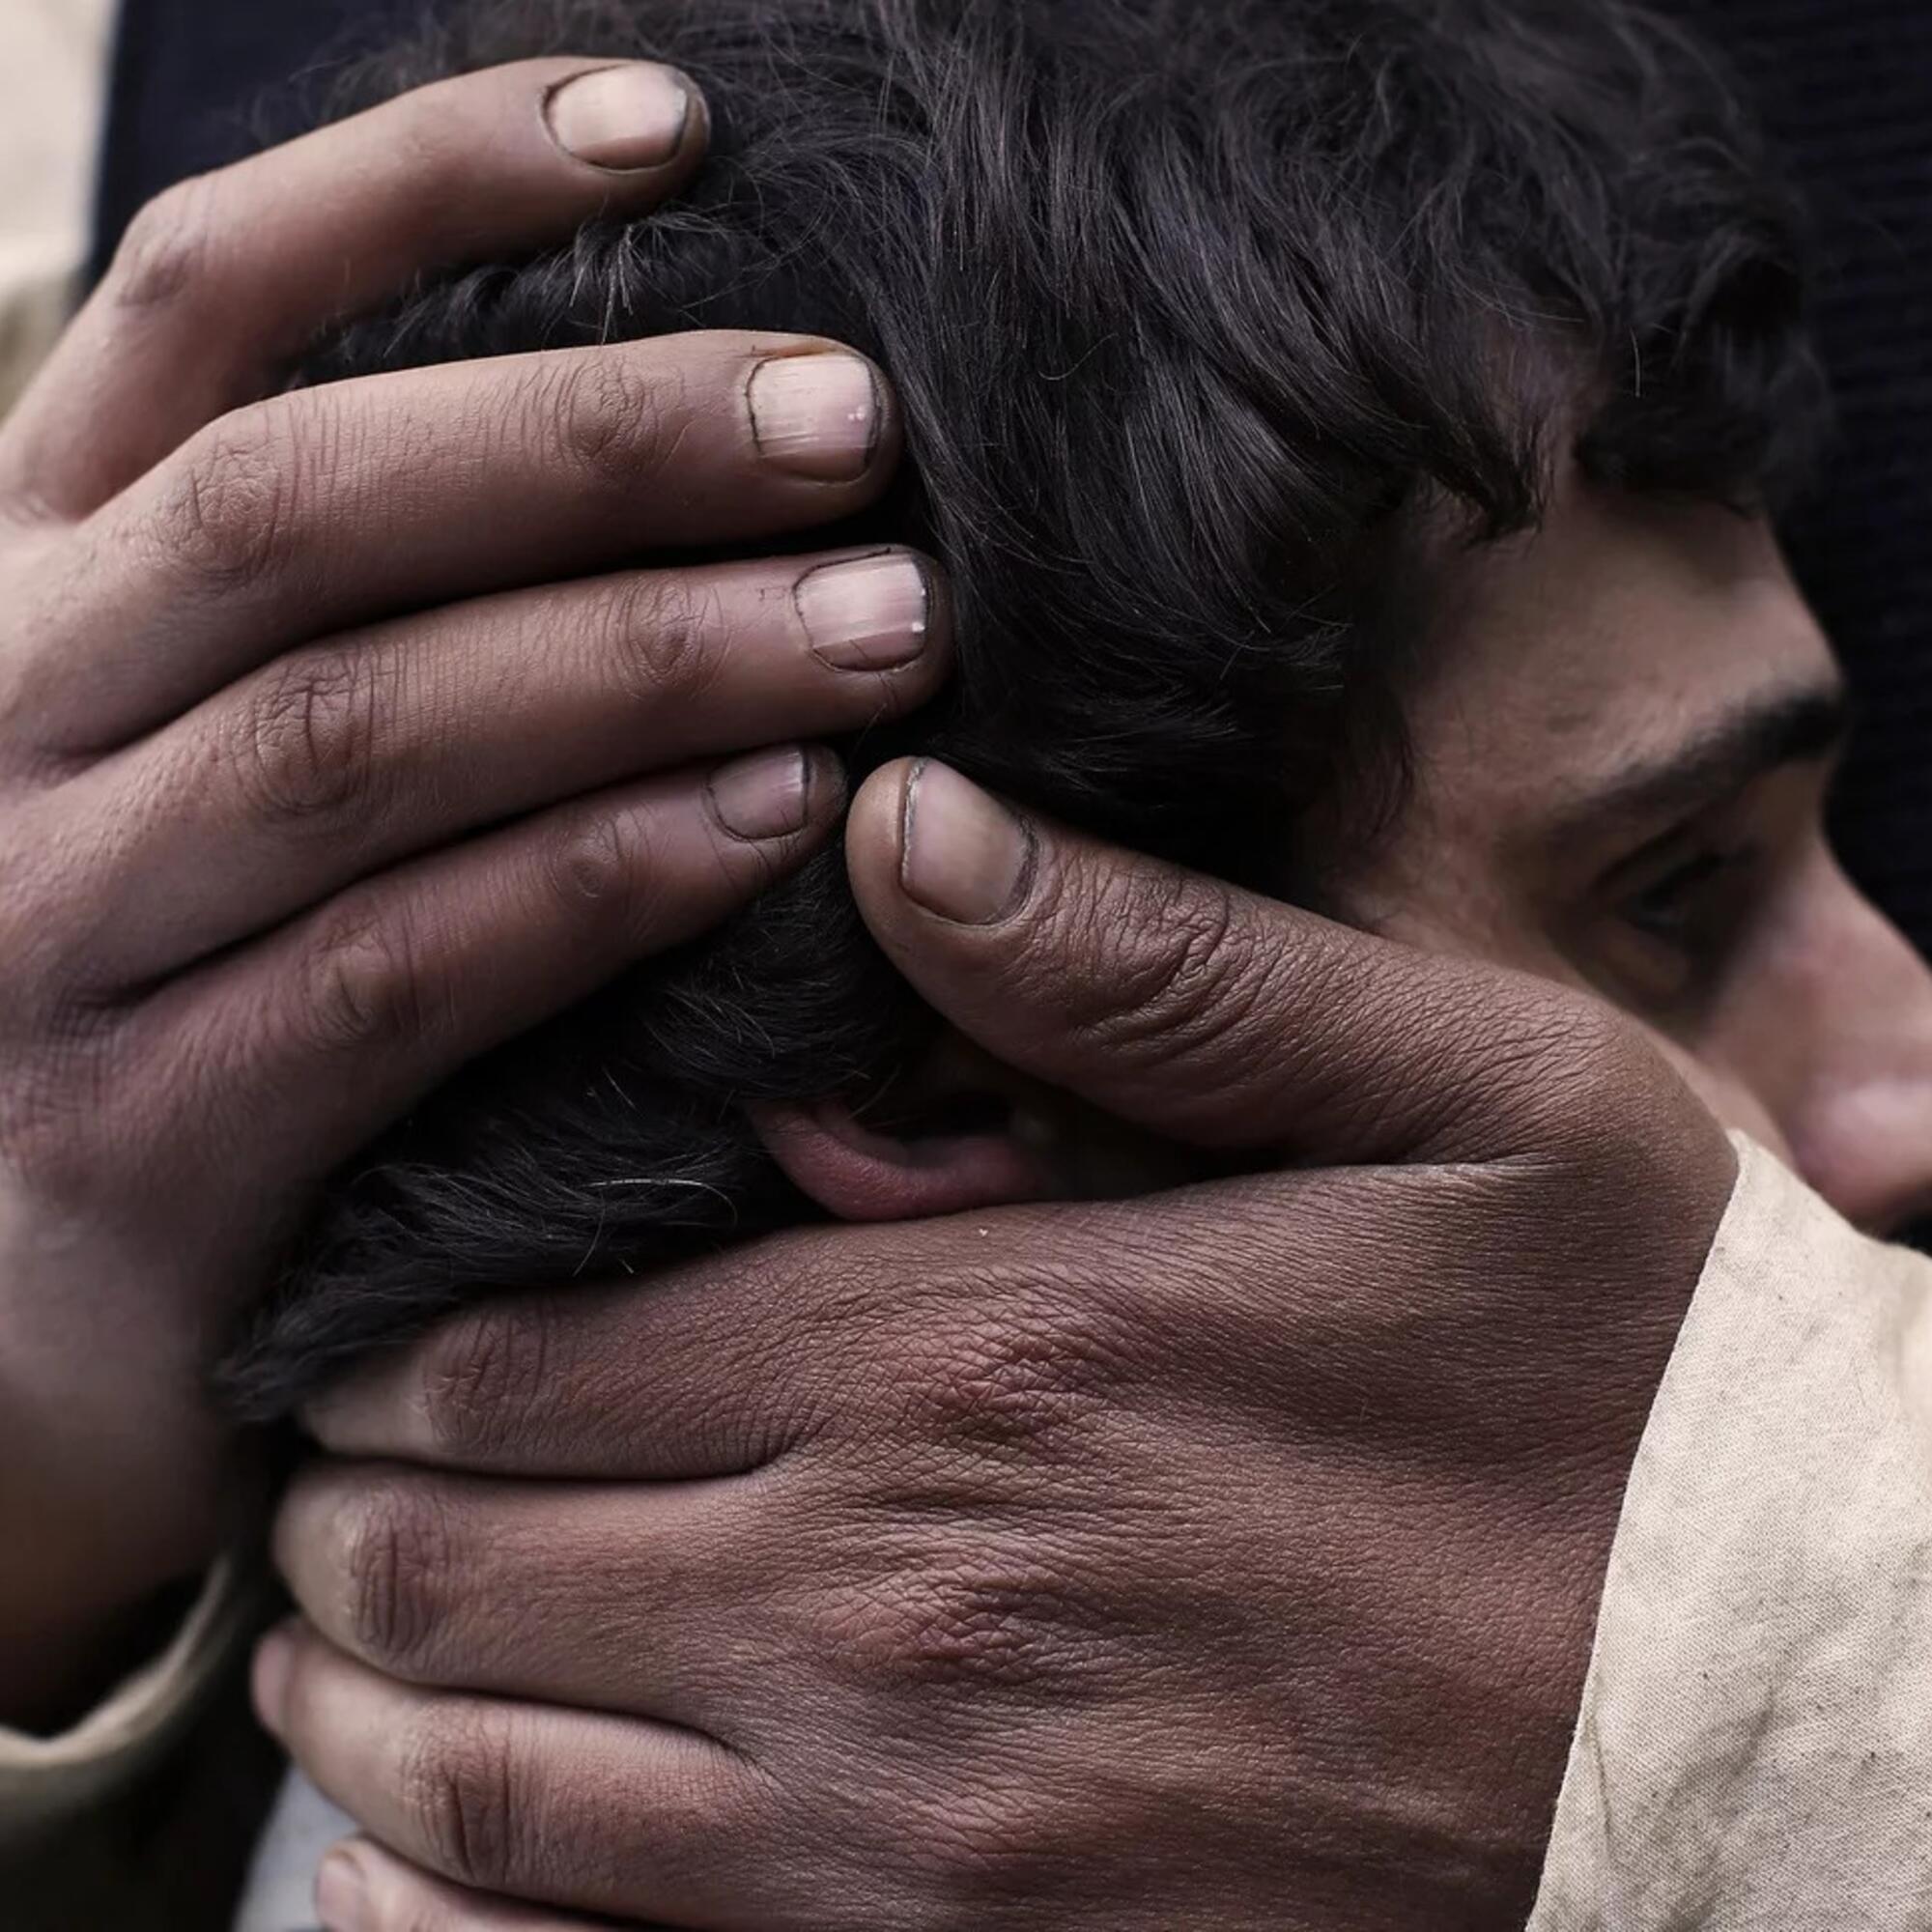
(52, 62)
(1754, 1751)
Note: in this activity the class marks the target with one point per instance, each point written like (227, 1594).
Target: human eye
(1666, 910)
(1689, 900)
(1675, 914)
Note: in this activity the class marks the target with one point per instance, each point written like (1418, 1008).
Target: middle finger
(337, 761)
(352, 501)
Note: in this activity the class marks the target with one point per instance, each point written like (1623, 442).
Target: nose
(1853, 1096)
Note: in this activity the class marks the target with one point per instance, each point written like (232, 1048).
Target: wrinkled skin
(276, 855)
(1225, 1557)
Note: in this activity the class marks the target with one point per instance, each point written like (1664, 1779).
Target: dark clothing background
(1845, 84)
(194, 79)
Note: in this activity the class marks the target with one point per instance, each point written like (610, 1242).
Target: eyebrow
(1806, 726)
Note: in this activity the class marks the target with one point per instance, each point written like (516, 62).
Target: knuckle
(459, 1788)
(62, 1135)
(1574, 1043)
(973, 1615)
(43, 933)
(1017, 1372)
(397, 1553)
(226, 516)
(595, 864)
(666, 640)
(303, 748)
(1006, 1844)
(166, 251)
(1587, 1040)
(1627, 1120)
(360, 985)
(619, 422)
(1559, 1070)
(1180, 970)
(483, 1380)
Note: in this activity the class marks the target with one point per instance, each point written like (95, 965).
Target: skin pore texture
(1621, 753)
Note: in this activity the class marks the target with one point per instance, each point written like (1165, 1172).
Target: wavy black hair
(1197, 311)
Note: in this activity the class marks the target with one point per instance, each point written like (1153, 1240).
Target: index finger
(226, 279)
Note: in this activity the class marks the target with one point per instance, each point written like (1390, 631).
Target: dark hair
(1194, 309)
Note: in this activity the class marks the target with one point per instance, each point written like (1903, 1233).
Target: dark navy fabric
(198, 83)
(1846, 84)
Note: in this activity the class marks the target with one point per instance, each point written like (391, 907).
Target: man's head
(1348, 427)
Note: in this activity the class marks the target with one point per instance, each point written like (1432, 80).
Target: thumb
(1210, 1014)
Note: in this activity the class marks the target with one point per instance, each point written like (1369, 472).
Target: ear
(862, 1173)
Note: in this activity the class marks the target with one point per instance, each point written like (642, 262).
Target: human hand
(1224, 1558)
(308, 792)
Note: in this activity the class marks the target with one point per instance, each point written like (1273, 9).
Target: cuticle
(1028, 870)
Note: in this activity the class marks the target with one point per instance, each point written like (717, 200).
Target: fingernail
(816, 416)
(871, 613)
(342, 1895)
(269, 1681)
(622, 117)
(763, 796)
(963, 855)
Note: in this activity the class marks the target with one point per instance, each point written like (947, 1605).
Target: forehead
(1600, 643)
